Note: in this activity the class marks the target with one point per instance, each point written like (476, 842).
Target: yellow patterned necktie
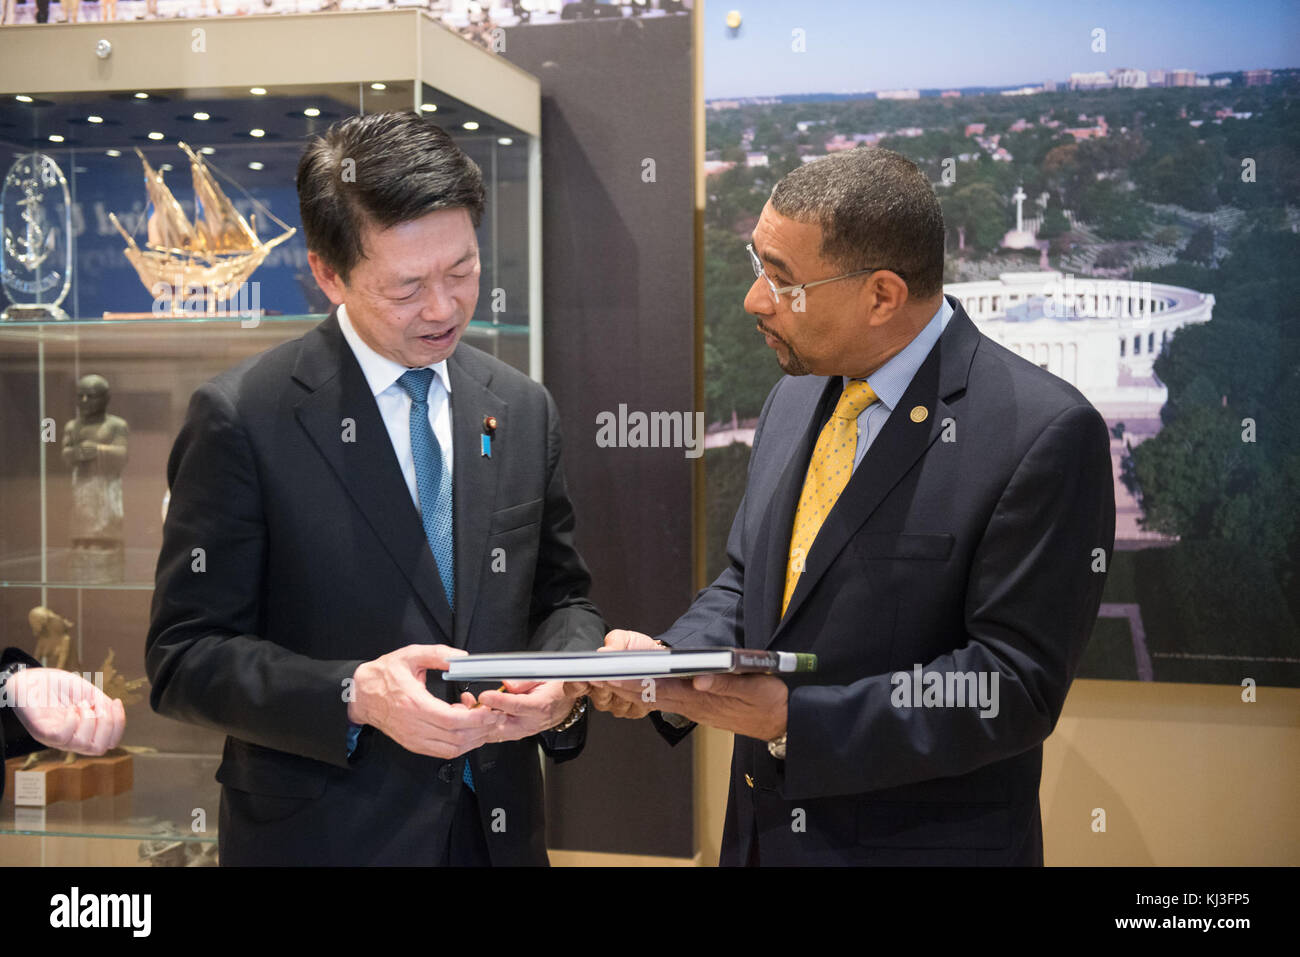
(828, 472)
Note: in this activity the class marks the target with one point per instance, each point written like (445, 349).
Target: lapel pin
(919, 413)
(489, 430)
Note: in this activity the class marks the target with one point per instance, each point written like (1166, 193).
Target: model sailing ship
(215, 254)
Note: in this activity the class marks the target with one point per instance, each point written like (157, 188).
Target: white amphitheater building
(1100, 335)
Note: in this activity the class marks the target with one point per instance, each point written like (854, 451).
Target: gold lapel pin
(919, 413)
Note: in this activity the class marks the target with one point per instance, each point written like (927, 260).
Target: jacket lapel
(363, 459)
(898, 447)
(773, 541)
(475, 477)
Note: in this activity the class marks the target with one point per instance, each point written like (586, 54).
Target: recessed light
(379, 86)
(255, 165)
(429, 107)
(207, 150)
(142, 96)
(166, 167)
(113, 153)
(311, 111)
(155, 135)
(22, 98)
(505, 141)
(258, 91)
(257, 133)
(56, 138)
(202, 116)
(94, 119)
(470, 125)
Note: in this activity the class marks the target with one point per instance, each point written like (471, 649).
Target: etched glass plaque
(36, 227)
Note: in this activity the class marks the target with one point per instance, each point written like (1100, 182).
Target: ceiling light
(311, 111)
(471, 125)
(202, 116)
(379, 86)
(429, 107)
(22, 98)
(155, 135)
(505, 141)
(142, 96)
(94, 119)
(257, 133)
(258, 91)
(255, 165)
(207, 150)
(56, 138)
(113, 153)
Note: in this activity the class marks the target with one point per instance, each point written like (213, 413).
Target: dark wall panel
(618, 300)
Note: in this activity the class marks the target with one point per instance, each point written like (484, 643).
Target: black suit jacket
(292, 552)
(967, 542)
(15, 740)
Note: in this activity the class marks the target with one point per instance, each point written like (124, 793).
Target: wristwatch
(579, 709)
(8, 671)
(776, 747)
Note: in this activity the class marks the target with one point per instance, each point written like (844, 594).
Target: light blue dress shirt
(891, 380)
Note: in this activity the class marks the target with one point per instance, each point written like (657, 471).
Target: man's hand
(390, 695)
(603, 694)
(756, 706)
(65, 711)
(528, 707)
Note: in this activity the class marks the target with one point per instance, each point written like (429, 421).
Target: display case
(78, 543)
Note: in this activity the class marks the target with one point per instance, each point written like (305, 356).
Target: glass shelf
(24, 571)
(167, 790)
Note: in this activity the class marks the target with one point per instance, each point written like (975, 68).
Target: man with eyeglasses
(928, 513)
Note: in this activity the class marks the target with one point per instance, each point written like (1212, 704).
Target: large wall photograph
(1119, 189)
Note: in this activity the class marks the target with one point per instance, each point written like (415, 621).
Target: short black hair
(875, 208)
(381, 168)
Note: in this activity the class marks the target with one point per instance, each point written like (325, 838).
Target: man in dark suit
(928, 513)
(352, 508)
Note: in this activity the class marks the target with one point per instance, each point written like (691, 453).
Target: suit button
(444, 773)
(749, 780)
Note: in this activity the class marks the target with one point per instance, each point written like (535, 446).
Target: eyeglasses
(777, 291)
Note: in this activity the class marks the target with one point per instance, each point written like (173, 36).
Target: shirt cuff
(354, 732)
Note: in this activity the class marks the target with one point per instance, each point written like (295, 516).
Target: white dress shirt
(395, 405)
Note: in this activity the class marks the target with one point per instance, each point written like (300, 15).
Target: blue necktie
(433, 481)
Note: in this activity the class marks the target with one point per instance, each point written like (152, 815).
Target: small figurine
(56, 649)
(94, 445)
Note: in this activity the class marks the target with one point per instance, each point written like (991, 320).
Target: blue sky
(870, 45)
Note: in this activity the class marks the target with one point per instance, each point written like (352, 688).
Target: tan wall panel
(1187, 775)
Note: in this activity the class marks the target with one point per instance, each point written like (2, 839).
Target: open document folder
(619, 665)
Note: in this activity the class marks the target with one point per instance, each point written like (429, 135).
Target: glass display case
(106, 104)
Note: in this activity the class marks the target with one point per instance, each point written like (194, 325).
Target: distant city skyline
(851, 47)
